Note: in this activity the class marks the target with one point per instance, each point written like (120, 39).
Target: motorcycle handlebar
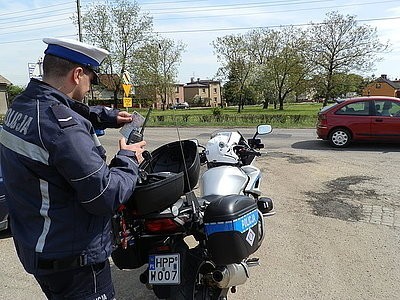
(247, 151)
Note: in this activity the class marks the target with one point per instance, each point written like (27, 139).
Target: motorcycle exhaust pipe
(144, 277)
(231, 275)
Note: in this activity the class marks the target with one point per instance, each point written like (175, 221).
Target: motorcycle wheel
(191, 287)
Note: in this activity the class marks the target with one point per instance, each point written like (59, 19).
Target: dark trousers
(92, 282)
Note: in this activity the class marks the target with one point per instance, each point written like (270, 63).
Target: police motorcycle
(225, 220)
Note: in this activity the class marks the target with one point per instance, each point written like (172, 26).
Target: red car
(360, 119)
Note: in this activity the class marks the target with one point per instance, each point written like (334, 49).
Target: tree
(13, 91)
(233, 52)
(287, 66)
(155, 66)
(262, 44)
(268, 62)
(119, 27)
(231, 91)
(340, 45)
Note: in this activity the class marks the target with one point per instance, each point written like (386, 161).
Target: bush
(216, 111)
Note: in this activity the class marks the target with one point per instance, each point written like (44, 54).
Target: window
(387, 108)
(204, 90)
(177, 89)
(378, 85)
(215, 90)
(360, 108)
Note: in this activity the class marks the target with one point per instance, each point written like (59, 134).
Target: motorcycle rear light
(163, 248)
(161, 225)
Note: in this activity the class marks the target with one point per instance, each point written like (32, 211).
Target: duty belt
(62, 263)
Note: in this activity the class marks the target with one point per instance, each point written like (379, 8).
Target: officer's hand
(123, 117)
(138, 148)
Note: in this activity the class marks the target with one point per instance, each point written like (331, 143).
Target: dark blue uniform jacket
(59, 190)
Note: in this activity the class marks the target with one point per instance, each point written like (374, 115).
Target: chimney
(198, 79)
(191, 79)
(384, 76)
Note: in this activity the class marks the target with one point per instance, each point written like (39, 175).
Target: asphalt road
(336, 233)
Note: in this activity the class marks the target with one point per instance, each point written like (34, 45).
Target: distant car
(181, 105)
(374, 118)
(3, 206)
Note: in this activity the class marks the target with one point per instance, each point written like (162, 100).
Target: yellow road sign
(127, 102)
(127, 89)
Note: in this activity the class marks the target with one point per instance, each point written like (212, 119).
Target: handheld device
(137, 136)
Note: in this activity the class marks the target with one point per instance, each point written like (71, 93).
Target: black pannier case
(233, 228)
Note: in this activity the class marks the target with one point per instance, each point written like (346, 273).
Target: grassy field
(301, 115)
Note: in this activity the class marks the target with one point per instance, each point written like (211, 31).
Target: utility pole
(78, 7)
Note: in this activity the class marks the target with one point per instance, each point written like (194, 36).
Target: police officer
(60, 192)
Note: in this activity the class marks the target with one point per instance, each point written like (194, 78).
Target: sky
(23, 24)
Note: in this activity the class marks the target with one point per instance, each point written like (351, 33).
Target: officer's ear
(76, 74)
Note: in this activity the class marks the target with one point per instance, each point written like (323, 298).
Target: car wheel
(339, 138)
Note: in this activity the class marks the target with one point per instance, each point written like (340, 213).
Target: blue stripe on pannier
(241, 224)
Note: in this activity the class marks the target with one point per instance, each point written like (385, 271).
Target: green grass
(293, 116)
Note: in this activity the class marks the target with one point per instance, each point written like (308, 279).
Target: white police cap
(75, 51)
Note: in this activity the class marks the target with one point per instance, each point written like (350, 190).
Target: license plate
(165, 269)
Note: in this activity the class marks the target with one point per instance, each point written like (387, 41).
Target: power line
(272, 12)
(172, 2)
(36, 16)
(33, 9)
(37, 39)
(270, 26)
(237, 28)
(231, 6)
(31, 24)
(241, 5)
(231, 28)
(36, 28)
(31, 19)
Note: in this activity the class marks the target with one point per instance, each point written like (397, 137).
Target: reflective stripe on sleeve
(94, 172)
(101, 193)
(23, 147)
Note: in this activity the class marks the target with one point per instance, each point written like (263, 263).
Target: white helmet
(219, 148)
